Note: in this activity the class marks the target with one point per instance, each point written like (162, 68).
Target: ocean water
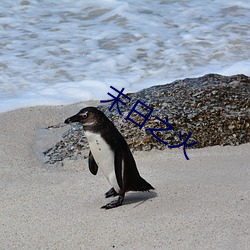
(61, 52)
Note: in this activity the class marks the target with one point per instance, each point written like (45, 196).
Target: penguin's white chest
(104, 157)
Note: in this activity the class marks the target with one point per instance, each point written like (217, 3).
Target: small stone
(192, 105)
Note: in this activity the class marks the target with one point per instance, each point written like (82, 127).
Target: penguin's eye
(84, 115)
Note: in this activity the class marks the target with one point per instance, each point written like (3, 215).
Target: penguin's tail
(141, 185)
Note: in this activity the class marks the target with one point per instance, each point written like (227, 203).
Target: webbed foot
(113, 204)
(111, 193)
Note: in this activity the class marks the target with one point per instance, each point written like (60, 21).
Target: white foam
(242, 67)
(62, 52)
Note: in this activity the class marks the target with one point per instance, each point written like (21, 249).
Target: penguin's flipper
(118, 166)
(111, 193)
(93, 167)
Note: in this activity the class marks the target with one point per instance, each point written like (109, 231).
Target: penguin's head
(88, 117)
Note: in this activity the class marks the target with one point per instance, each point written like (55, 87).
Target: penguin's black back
(132, 180)
(96, 121)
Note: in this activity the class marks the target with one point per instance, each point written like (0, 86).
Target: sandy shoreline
(203, 203)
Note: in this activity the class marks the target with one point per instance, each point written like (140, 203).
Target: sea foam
(62, 52)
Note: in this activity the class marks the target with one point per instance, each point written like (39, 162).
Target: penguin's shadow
(137, 198)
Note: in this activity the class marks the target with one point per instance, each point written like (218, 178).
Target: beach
(190, 67)
(201, 203)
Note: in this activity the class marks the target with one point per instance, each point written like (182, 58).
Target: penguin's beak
(74, 118)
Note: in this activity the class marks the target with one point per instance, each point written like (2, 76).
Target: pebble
(214, 108)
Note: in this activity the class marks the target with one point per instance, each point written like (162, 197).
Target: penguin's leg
(111, 193)
(116, 203)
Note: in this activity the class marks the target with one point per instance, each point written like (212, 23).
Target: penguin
(110, 152)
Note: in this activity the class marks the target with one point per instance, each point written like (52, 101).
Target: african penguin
(110, 152)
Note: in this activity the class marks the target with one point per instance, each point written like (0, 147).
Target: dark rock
(214, 108)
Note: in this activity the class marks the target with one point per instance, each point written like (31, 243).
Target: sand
(203, 203)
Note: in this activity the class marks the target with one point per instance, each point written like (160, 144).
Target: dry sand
(203, 203)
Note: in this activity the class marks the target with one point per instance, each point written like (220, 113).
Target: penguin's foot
(111, 193)
(113, 204)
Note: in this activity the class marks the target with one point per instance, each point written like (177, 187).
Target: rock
(214, 108)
